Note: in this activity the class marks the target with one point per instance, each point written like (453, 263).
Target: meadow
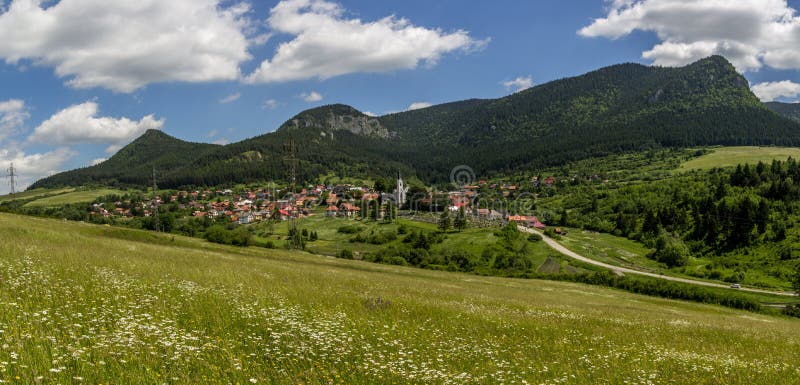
(64, 197)
(35, 194)
(86, 304)
(732, 156)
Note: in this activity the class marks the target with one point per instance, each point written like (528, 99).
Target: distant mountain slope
(133, 164)
(789, 110)
(618, 108)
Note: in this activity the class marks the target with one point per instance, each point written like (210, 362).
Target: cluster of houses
(343, 200)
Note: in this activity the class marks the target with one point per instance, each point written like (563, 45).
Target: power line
(290, 157)
(12, 174)
(155, 202)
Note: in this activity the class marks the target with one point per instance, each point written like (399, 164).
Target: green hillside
(108, 305)
(72, 197)
(620, 108)
(789, 110)
(732, 156)
(133, 164)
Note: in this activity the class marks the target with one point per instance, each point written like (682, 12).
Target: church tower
(400, 193)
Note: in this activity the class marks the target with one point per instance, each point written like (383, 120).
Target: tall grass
(80, 307)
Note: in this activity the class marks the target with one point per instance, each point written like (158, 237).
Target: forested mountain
(789, 110)
(133, 164)
(619, 108)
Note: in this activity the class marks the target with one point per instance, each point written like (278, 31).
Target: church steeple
(400, 193)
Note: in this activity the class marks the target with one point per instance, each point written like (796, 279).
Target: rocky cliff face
(329, 119)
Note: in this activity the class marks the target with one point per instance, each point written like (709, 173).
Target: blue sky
(81, 78)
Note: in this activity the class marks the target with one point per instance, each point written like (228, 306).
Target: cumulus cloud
(221, 141)
(519, 84)
(31, 167)
(311, 97)
(270, 104)
(97, 161)
(230, 98)
(124, 45)
(79, 124)
(750, 33)
(770, 91)
(326, 43)
(12, 115)
(418, 105)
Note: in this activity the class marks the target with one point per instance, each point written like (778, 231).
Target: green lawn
(732, 156)
(83, 304)
(80, 196)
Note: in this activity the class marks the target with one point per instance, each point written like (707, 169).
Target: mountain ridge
(619, 108)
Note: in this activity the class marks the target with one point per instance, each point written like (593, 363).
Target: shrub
(550, 232)
(396, 260)
(382, 237)
(349, 229)
(671, 250)
(534, 238)
(345, 254)
(239, 236)
(792, 311)
(403, 229)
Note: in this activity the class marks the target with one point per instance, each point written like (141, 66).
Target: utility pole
(290, 157)
(12, 174)
(155, 202)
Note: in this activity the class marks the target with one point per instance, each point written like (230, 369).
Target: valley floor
(91, 304)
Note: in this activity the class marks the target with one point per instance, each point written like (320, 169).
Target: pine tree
(564, 219)
(376, 211)
(460, 223)
(444, 220)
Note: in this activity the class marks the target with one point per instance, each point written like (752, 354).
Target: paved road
(624, 270)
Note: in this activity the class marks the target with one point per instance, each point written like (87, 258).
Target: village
(490, 204)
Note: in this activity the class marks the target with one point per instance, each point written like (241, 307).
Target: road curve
(624, 270)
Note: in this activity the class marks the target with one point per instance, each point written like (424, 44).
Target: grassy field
(101, 305)
(35, 193)
(732, 156)
(67, 197)
(610, 249)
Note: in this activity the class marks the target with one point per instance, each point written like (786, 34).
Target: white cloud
(270, 104)
(212, 133)
(34, 166)
(770, 91)
(418, 105)
(221, 141)
(230, 98)
(519, 84)
(311, 97)
(79, 124)
(124, 45)
(327, 44)
(370, 113)
(97, 161)
(750, 33)
(12, 116)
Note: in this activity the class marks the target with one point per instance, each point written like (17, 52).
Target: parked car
(736, 286)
